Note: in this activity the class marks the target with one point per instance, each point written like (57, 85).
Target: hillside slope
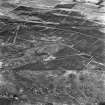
(52, 53)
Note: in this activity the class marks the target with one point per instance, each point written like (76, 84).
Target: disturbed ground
(52, 55)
